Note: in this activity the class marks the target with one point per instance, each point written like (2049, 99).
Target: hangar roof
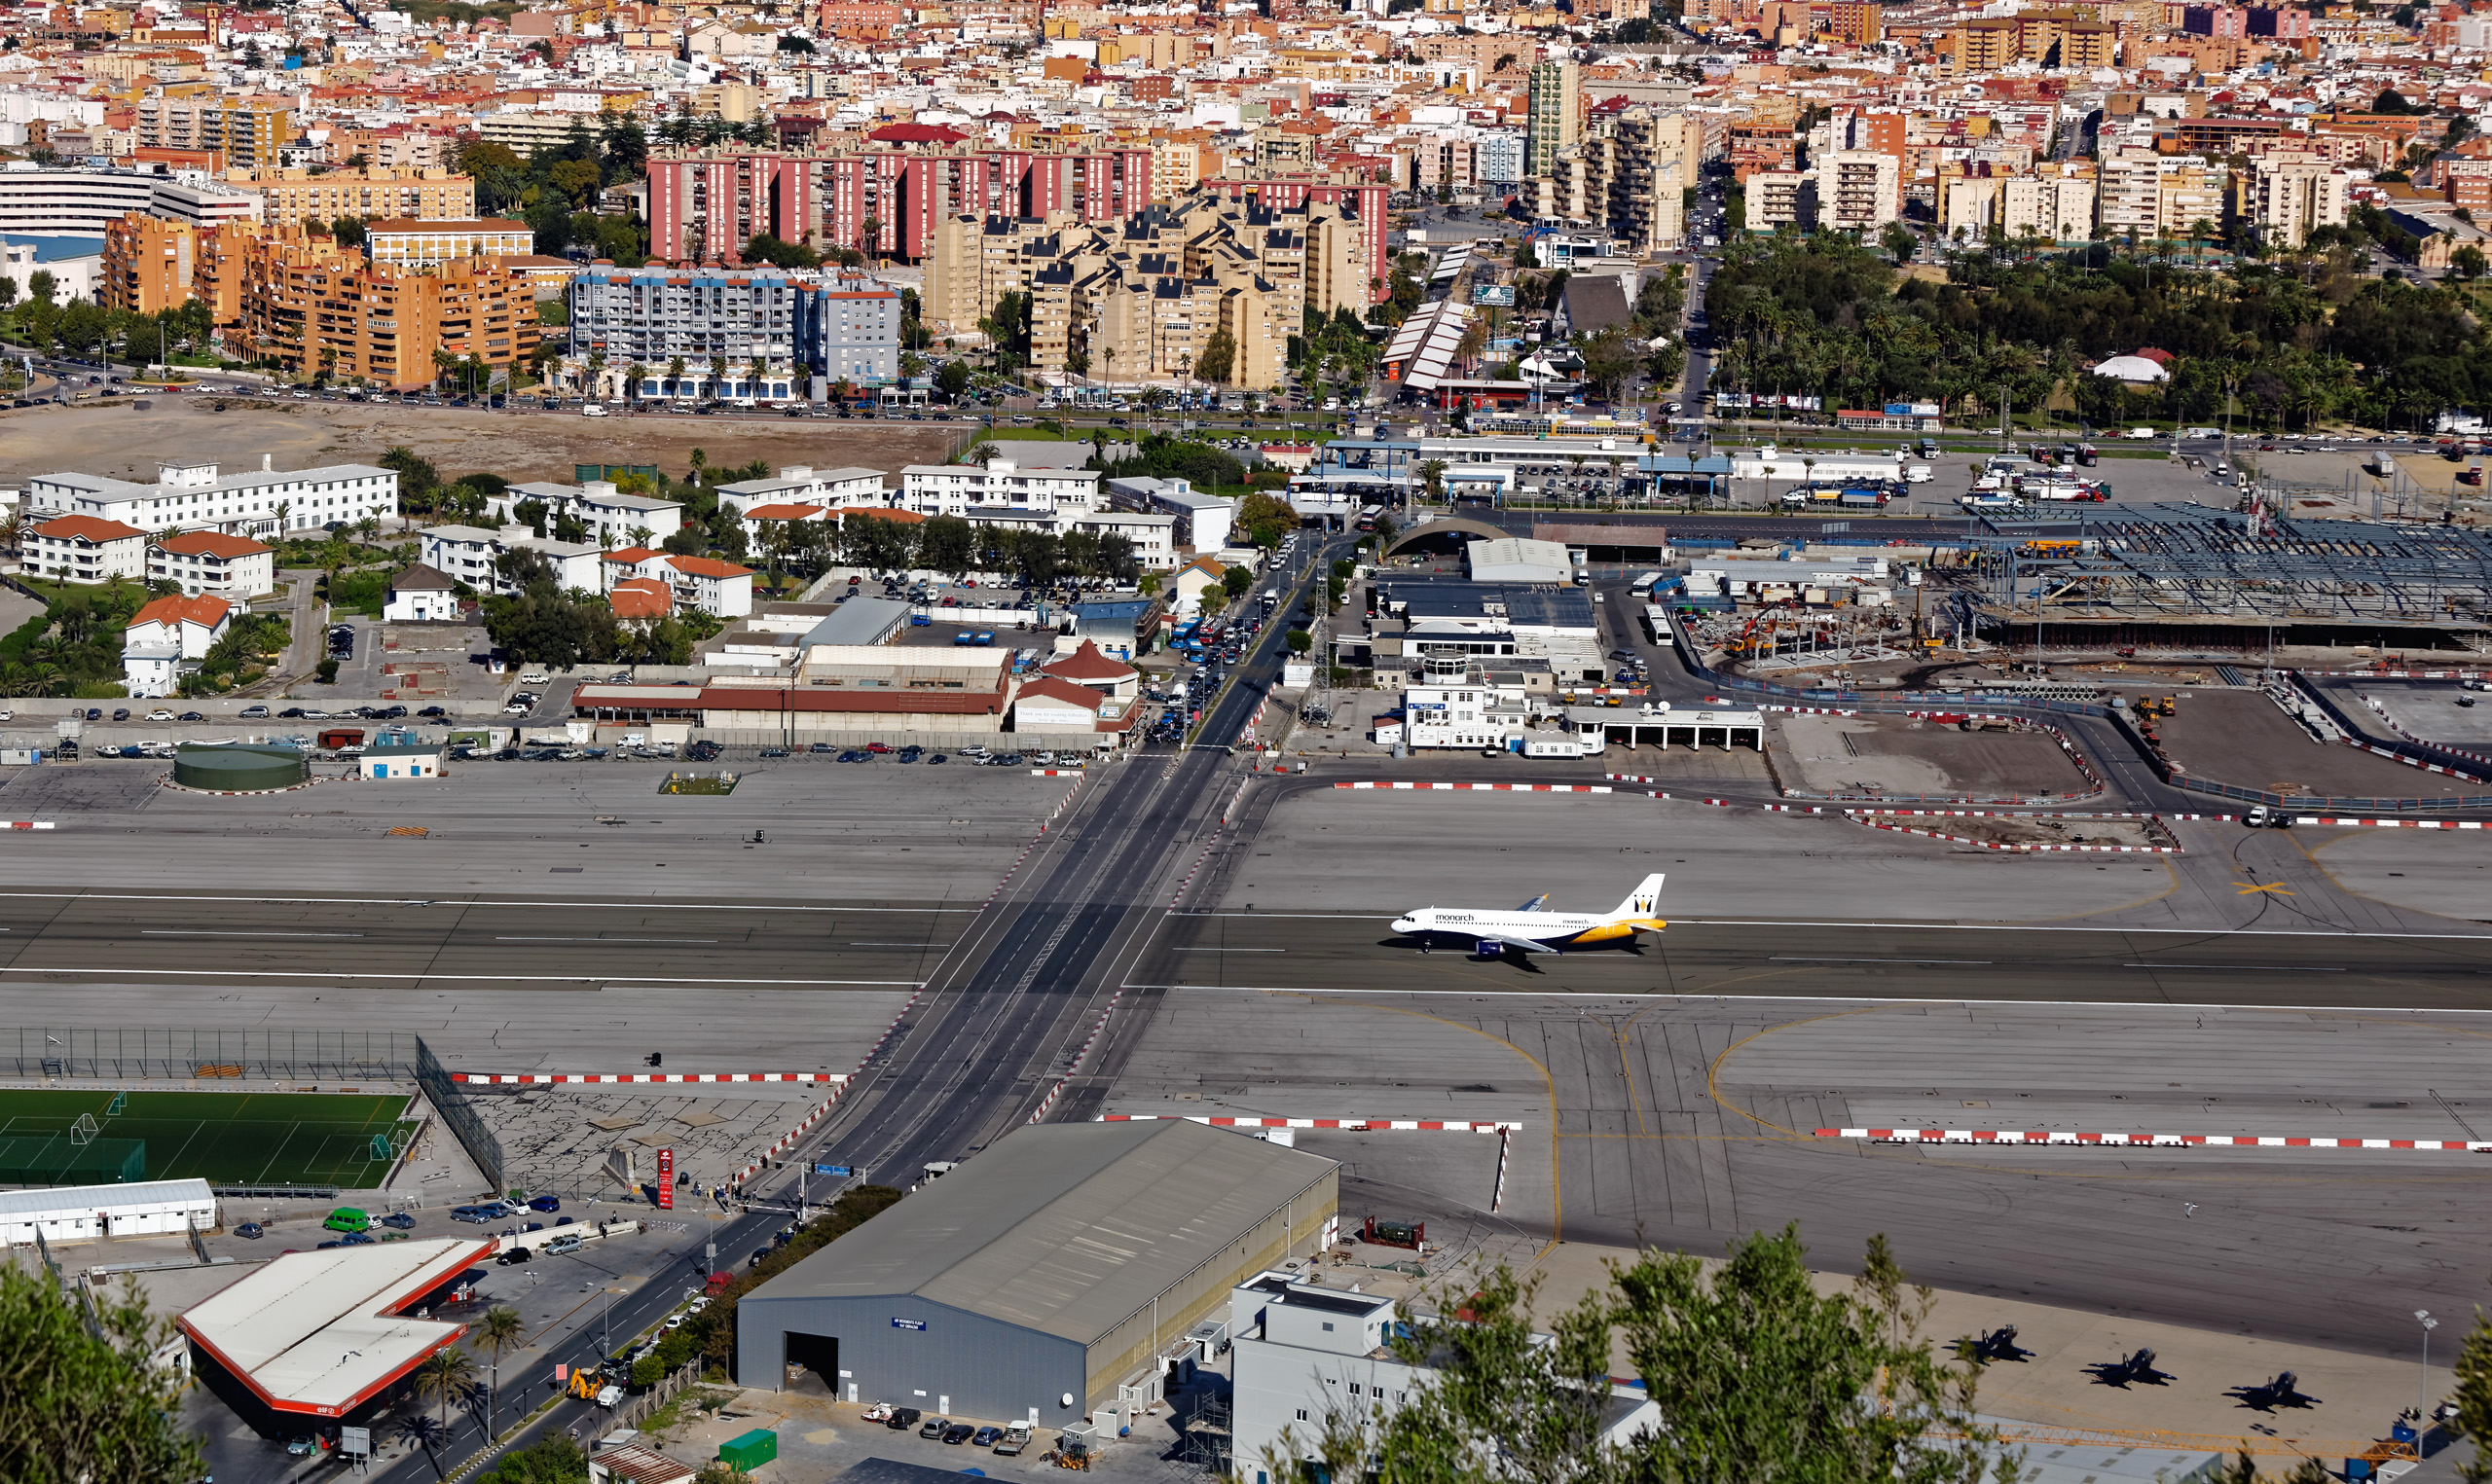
(1067, 1229)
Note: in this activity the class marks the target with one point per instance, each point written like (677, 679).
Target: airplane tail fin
(1647, 897)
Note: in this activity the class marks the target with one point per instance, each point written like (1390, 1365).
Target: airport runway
(553, 943)
(1833, 960)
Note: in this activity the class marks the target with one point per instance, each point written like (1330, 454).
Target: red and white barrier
(1055, 773)
(547, 1079)
(2396, 824)
(26, 824)
(1179, 895)
(1487, 787)
(2157, 1141)
(1080, 1056)
(1367, 1125)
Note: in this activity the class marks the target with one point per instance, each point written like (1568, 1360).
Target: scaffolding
(2179, 561)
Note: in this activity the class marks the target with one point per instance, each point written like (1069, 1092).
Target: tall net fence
(194, 1052)
(450, 1102)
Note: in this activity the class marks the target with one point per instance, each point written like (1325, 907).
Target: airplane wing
(1516, 941)
(1535, 904)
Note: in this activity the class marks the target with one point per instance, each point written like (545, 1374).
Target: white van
(2143, 433)
(1918, 474)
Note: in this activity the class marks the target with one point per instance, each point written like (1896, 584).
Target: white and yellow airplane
(1532, 930)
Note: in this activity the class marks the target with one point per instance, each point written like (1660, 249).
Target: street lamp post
(2422, 1391)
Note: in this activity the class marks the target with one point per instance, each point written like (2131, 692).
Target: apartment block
(313, 313)
(1779, 198)
(2286, 196)
(245, 132)
(290, 198)
(2054, 208)
(149, 264)
(1654, 158)
(405, 242)
(719, 322)
(1858, 190)
(2192, 202)
(1557, 113)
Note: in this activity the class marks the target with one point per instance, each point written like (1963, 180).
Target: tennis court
(345, 1139)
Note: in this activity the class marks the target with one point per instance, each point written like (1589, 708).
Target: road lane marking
(1229, 950)
(223, 932)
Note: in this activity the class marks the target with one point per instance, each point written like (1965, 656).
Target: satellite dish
(1068, 1398)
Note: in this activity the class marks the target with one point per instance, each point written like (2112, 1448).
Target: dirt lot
(2238, 737)
(112, 438)
(1902, 758)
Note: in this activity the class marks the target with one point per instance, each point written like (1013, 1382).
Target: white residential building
(1301, 1355)
(611, 518)
(86, 549)
(719, 588)
(467, 554)
(1203, 521)
(194, 496)
(798, 485)
(1001, 488)
(210, 561)
(163, 634)
(420, 595)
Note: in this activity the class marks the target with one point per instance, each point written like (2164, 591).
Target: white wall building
(467, 554)
(609, 515)
(714, 587)
(1203, 521)
(86, 549)
(88, 1213)
(1001, 488)
(165, 633)
(798, 485)
(194, 496)
(1300, 1355)
(212, 561)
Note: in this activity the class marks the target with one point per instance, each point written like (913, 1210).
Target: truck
(2262, 817)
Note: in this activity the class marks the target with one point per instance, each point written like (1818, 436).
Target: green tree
(1219, 356)
(555, 1459)
(1237, 581)
(80, 1404)
(1267, 518)
(1299, 640)
(953, 380)
(1757, 1376)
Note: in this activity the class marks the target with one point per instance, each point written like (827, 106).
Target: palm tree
(425, 1433)
(641, 536)
(596, 371)
(760, 368)
(700, 462)
(718, 373)
(443, 1375)
(675, 376)
(283, 508)
(499, 1331)
(633, 376)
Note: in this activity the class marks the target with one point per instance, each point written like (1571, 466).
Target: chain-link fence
(194, 1052)
(450, 1101)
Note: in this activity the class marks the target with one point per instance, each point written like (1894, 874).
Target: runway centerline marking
(1795, 959)
(603, 940)
(234, 932)
(2248, 968)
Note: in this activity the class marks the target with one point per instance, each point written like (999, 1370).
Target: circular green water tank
(240, 767)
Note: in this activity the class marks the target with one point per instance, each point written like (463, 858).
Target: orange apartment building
(150, 263)
(311, 310)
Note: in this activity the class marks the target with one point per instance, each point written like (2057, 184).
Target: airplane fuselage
(1553, 931)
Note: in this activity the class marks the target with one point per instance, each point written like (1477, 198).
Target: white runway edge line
(1873, 1000)
(545, 1079)
(1355, 1125)
(2155, 1140)
(462, 902)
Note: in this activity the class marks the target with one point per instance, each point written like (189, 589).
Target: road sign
(666, 1179)
(832, 1169)
(355, 1442)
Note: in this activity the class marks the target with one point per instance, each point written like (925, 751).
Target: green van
(345, 1219)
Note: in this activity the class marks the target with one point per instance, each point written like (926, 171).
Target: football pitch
(226, 1139)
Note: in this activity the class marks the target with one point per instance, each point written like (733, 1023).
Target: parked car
(251, 1229)
(987, 1437)
(935, 1427)
(902, 1419)
(399, 1219)
(546, 1202)
(959, 1432)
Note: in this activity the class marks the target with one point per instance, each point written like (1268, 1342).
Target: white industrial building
(194, 496)
(467, 554)
(1779, 578)
(1303, 1353)
(999, 487)
(1812, 468)
(91, 1213)
(1520, 560)
(801, 485)
(1203, 519)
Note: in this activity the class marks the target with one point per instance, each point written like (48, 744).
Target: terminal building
(1042, 1278)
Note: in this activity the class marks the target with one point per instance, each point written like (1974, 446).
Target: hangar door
(815, 1352)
